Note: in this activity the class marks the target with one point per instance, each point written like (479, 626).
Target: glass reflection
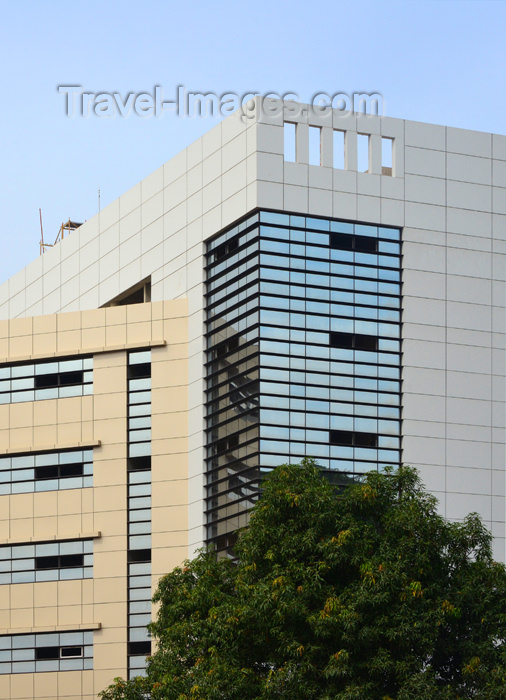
(364, 288)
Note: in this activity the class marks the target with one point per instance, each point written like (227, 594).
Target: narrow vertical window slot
(315, 145)
(338, 150)
(387, 152)
(290, 136)
(363, 153)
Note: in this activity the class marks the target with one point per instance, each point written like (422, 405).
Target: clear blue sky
(432, 60)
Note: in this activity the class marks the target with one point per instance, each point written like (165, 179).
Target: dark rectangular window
(361, 244)
(71, 652)
(341, 437)
(341, 241)
(47, 562)
(66, 561)
(139, 371)
(346, 437)
(53, 380)
(364, 244)
(139, 555)
(139, 648)
(365, 342)
(137, 464)
(44, 653)
(356, 341)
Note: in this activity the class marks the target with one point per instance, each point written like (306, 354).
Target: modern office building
(293, 283)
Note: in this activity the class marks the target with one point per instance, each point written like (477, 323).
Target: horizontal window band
(82, 352)
(58, 652)
(231, 457)
(221, 285)
(325, 246)
(250, 288)
(258, 423)
(341, 240)
(230, 447)
(283, 456)
(55, 538)
(40, 449)
(220, 377)
(253, 487)
(215, 276)
(233, 362)
(248, 380)
(309, 318)
(232, 246)
(299, 383)
(317, 280)
(265, 363)
(245, 475)
(257, 326)
(219, 366)
(265, 212)
(282, 350)
(246, 224)
(358, 243)
(287, 220)
(247, 504)
(354, 401)
(297, 285)
(267, 304)
(225, 323)
(220, 420)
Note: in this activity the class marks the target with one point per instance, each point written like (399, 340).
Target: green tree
(367, 594)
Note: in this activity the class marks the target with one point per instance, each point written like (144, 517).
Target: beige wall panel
(45, 413)
(170, 425)
(174, 446)
(20, 347)
(22, 686)
(45, 685)
(108, 472)
(169, 492)
(106, 405)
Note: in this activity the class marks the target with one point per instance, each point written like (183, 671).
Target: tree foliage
(367, 594)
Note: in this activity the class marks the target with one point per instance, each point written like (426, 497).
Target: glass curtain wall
(304, 358)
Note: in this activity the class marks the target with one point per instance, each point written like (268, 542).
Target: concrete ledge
(50, 448)
(53, 538)
(83, 351)
(81, 627)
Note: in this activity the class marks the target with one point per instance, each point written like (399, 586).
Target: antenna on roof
(99, 199)
(64, 229)
(41, 234)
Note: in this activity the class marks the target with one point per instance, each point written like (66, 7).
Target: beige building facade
(65, 520)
